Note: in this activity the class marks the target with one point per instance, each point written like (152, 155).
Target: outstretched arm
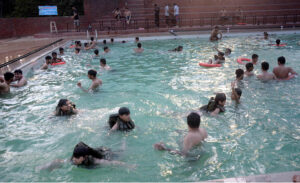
(113, 163)
(161, 147)
(53, 165)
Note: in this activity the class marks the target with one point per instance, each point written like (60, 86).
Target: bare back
(4, 88)
(193, 138)
(282, 72)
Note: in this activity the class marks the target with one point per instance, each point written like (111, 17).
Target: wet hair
(61, 49)
(265, 66)
(58, 111)
(86, 44)
(48, 57)
(82, 150)
(92, 72)
(96, 52)
(124, 111)
(214, 102)
(220, 97)
(238, 91)
(54, 53)
(139, 45)
(193, 120)
(123, 41)
(105, 48)
(221, 53)
(137, 38)
(77, 49)
(228, 50)
(277, 41)
(103, 61)
(18, 71)
(254, 56)
(249, 66)
(92, 38)
(281, 60)
(239, 73)
(8, 76)
(104, 41)
(180, 47)
(112, 40)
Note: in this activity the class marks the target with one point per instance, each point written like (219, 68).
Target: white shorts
(76, 22)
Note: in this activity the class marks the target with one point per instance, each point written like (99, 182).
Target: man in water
(193, 138)
(236, 93)
(5, 82)
(92, 75)
(121, 121)
(178, 49)
(239, 73)
(265, 76)
(21, 80)
(103, 64)
(266, 36)
(48, 62)
(106, 50)
(214, 34)
(254, 59)
(249, 69)
(139, 48)
(282, 72)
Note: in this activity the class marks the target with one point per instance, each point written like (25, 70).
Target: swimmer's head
(124, 114)
(137, 39)
(48, 59)
(9, 77)
(63, 105)
(111, 40)
(86, 44)
(266, 34)
(139, 45)
(18, 74)
(96, 52)
(61, 50)
(54, 55)
(123, 41)
(106, 49)
(193, 120)
(227, 51)
(249, 67)
(254, 58)
(92, 38)
(221, 54)
(239, 74)
(80, 152)
(278, 41)
(265, 66)
(104, 41)
(281, 60)
(102, 62)
(77, 50)
(92, 74)
(180, 48)
(238, 92)
(220, 99)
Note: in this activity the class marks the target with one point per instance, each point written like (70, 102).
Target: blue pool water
(261, 135)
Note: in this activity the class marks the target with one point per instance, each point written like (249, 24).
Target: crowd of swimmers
(86, 156)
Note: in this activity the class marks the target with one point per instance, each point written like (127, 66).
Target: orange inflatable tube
(242, 60)
(209, 65)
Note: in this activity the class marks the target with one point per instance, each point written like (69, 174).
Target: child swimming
(249, 69)
(215, 105)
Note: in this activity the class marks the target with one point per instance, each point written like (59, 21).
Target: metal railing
(147, 24)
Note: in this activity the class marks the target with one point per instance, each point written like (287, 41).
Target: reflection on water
(261, 135)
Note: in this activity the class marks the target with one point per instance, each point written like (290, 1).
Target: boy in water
(103, 64)
(239, 73)
(278, 42)
(139, 48)
(55, 59)
(193, 138)
(112, 40)
(254, 59)
(219, 59)
(48, 62)
(121, 121)
(282, 72)
(137, 40)
(265, 76)
(5, 83)
(20, 78)
(92, 75)
(106, 50)
(96, 53)
(77, 51)
(249, 69)
(227, 51)
(266, 35)
(61, 51)
(236, 93)
(104, 41)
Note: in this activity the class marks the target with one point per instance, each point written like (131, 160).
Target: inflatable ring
(59, 63)
(72, 46)
(280, 45)
(288, 78)
(209, 65)
(240, 60)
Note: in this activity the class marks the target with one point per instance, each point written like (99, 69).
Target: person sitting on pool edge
(215, 105)
(282, 72)
(194, 137)
(106, 50)
(61, 51)
(87, 157)
(96, 82)
(239, 74)
(254, 59)
(103, 64)
(178, 49)
(65, 108)
(249, 69)
(48, 62)
(21, 80)
(5, 82)
(236, 93)
(214, 34)
(139, 48)
(121, 121)
(265, 76)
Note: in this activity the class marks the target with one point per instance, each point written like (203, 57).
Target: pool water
(261, 135)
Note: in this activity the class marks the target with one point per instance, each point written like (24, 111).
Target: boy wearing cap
(121, 121)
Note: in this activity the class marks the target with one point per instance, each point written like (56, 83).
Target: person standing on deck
(156, 12)
(167, 14)
(176, 14)
(76, 19)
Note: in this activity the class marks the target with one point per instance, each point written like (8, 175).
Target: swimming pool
(261, 135)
